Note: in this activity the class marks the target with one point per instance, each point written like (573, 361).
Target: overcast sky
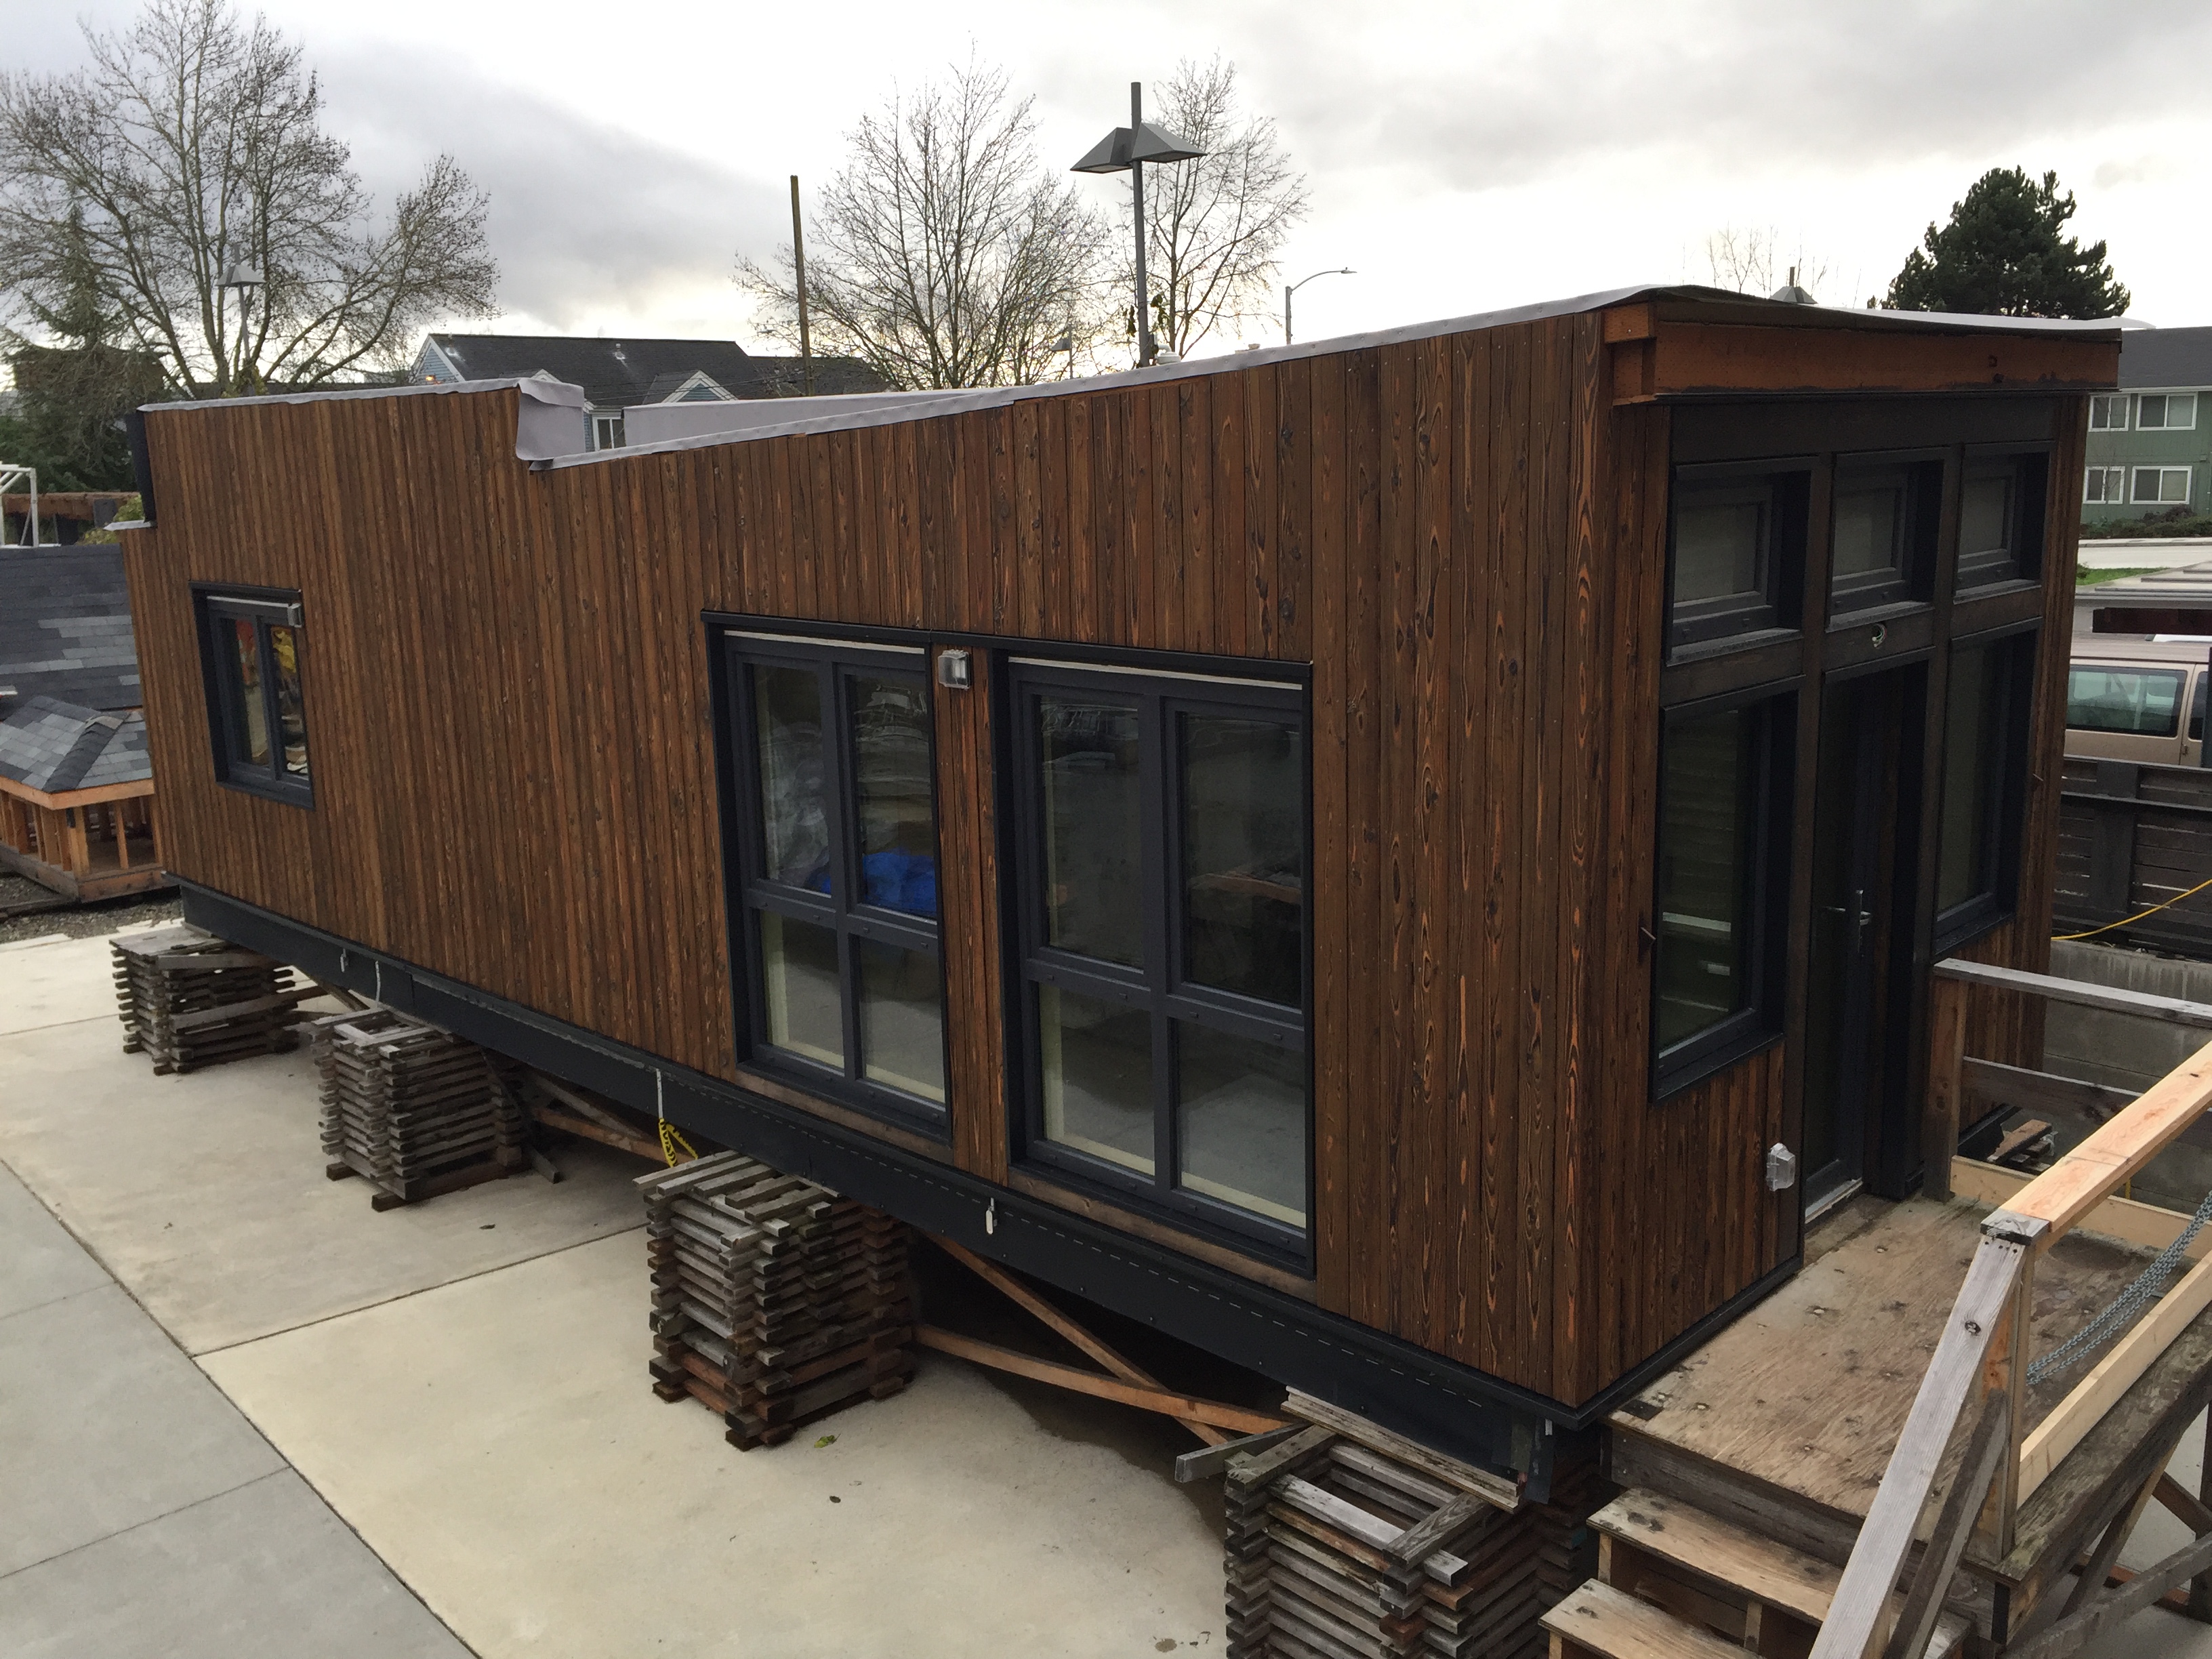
(1461, 157)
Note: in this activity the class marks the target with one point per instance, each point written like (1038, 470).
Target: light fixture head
(1118, 148)
(237, 276)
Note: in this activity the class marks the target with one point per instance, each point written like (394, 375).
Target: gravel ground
(78, 921)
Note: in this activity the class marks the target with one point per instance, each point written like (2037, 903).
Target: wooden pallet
(1368, 1548)
(189, 1000)
(775, 1301)
(414, 1110)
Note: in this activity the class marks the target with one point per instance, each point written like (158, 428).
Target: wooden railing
(1979, 1371)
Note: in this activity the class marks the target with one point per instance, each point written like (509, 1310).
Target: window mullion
(1161, 946)
(265, 648)
(837, 784)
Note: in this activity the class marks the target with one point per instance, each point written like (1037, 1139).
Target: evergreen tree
(71, 396)
(2004, 254)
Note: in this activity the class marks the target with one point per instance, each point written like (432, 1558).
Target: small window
(2162, 484)
(252, 644)
(2139, 702)
(2109, 412)
(2105, 484)
(1725, 782)
(2167, 412)
(1884, 534)
(1163, 821)
(607, 431)
(1735, 545)
(839, 831)
(1984, 756)
(2000, 520)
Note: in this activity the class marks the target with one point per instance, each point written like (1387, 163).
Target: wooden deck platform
(1786, 1420)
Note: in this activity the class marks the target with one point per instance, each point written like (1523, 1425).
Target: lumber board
(1493, 1490)
(1214, 1411)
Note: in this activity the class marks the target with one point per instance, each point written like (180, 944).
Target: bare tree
(1213, 226)
(1754, 261)
(192, 144)
(943, 253)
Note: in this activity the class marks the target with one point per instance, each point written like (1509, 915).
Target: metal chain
(2124, 1310)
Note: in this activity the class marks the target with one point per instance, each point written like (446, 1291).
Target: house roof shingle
(2167, 357)
(65, 628)
(617, 374)
(55, 747)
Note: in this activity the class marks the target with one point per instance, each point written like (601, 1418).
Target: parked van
(2137, 697)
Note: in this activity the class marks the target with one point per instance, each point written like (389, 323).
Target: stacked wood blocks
(415, 1110)
(775, 1301)
(190, 1000)
(1337, 1550)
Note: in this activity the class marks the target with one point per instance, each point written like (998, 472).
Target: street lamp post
(1292, 288)
(245, 279)
(1125, 150)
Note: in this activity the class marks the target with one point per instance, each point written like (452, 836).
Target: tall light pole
(245, 279)
(1292, 288)
(1125, 150)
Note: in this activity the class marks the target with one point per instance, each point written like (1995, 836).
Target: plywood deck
(1808, 1392)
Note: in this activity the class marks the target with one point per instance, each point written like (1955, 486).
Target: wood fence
(2131, 836)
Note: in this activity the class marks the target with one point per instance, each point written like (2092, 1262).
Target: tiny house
(1411, 862)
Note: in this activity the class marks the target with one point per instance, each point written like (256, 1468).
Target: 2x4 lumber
(1105, 1387)
(1493, 1490)
(2131, 1221)
(590, 1131)
(2118, 1371)
(2116, 1151)
(1597, 1619)
(1990, 1444)
(1953, 1377)
(1023, 1297)
(1946, 1051)
(1800, 1585)
(2172, 1011)
(1213, 1458)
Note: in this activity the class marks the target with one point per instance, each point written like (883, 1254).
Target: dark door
(1865, 822)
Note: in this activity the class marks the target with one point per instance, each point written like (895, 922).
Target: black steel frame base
(1452, 1408)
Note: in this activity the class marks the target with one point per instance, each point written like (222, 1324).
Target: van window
(2143, 702)
(2197, 709)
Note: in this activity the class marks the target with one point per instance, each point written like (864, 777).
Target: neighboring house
(620, 374)
(2150, 443)
(76, 783)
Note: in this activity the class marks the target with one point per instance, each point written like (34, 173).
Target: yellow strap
(671, 1138)
(2138, 915)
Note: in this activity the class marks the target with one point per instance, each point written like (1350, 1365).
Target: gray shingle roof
(2167, 357)
(65, 628)
(617, 374)
(54, 746)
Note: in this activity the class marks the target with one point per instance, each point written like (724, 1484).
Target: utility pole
(799, 270)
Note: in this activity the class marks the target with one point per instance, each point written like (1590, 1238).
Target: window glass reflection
(1869, 528)
(1971, 744)
(1708, 780)
(1720, 547)
(798, 974)
(891, 786)
(1243, 810)
(1241, 1115)
(251, 717)
(901, 1019)
(794, 821)
(1097, 1064)
(1093, 863)
(291, 707)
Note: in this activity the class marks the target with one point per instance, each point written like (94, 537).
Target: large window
(252, 646)
(2137, 703)
(839, 857)
(2166, 411)
(1735, 545)
(2162, 484)
(1725, 782)
(2000, 519)
(1884, 532)
(1162, 821)
(2104, 484)
(1984, 761)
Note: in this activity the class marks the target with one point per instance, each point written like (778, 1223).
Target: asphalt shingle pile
(775, 1301)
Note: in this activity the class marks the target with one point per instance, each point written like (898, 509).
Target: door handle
(1858, 916)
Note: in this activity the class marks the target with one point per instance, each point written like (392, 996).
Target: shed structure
(1407, 861)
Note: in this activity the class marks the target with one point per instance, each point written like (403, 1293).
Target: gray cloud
(585, 218)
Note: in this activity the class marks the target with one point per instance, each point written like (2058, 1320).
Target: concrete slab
(39, 1262)
(204, 1195)
(265, 1571)
(104, 1424)
(496, 1442)
(58, 983)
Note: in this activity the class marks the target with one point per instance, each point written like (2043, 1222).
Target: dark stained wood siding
(1463, 536)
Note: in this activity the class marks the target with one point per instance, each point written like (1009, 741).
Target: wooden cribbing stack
(1347, 1541)
(415, 1110)
(190, 1000)
(775, 1301)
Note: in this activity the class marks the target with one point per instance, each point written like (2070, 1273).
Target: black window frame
(2021, 559)
(1697, 627)
(835, 661)
(1159, 986)
(217, 603)
(1913, 579)
(1759, 1023)
(2006, 803)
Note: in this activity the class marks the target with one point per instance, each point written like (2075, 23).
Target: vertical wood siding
(508, 715)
